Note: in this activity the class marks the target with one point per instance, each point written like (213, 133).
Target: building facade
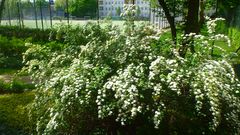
(114, 8)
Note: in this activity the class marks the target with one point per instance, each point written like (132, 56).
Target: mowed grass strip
(46, 23)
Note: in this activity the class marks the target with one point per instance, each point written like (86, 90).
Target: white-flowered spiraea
(103, 72)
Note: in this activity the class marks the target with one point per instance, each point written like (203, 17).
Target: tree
(192, 12)
(138, 11)
(79, 8)
(228, 10)
(60, 4)
(1, 9)
(42, 3)
(170, 18)
(118, 11)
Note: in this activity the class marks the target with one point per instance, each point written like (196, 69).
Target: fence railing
(42, 15)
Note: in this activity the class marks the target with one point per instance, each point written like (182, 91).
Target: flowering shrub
(113, 80)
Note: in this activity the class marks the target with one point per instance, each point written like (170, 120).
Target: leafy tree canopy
(79, 8)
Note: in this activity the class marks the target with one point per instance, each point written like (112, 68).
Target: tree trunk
(170, 19)
(202, 19)
(231, 17)
(192, 24)
(35, 13)
(1, 9)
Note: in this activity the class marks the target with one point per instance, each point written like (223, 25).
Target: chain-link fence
(26, 14)
(44, 14)
(158, 19)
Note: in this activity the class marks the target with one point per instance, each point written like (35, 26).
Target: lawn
(46, 23)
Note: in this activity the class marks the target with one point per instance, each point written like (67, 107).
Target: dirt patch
(9, 78)
(6, 78)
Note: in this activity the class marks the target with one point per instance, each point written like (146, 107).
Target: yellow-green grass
(14, 113)
(46, 23)
(223, 45)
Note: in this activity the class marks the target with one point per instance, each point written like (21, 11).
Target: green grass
(13, 113)
(46, 23)
(4, 71)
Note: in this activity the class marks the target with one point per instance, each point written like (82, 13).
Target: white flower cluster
(213, 80)
(212, 23)
(125, 88)
(124, 74)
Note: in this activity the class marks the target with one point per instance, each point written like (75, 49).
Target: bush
(37, 35)
(125, 81)
(11, 52)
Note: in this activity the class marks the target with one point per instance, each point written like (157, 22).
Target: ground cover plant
(13, 113)
(111, 80)
(11, 50)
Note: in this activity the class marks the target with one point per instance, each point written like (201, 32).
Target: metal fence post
(21, 13)
(159, 18)
(153, 17)
(217, 4)
(150, 12)
(97, 12)
(9, 15)
(67, 12)
(163, 22)
(41, 12)
(35, 12)
(174, 12)
(19, 16)
(50, 11)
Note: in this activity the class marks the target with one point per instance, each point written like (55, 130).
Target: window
(100, 2)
